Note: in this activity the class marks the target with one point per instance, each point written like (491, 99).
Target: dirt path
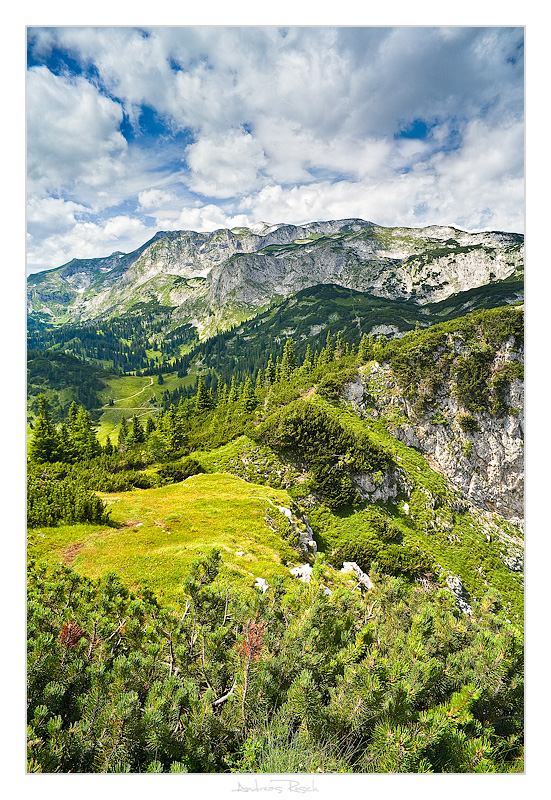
(130, 396)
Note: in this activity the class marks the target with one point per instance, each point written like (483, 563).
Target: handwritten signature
(279, 785)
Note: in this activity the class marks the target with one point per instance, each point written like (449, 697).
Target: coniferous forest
(275, 464)
(167, 630)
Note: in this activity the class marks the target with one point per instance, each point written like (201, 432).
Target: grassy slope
(158, 533)
(216, 509)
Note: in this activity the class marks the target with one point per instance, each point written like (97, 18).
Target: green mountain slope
(214, 280)
(397, 644)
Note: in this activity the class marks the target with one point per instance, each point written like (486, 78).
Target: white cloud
(203, 218)
(73, 135)
(225, 166)
(87, 240)
(155, 199)
(46, 215)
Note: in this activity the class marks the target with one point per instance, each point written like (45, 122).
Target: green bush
(393, 558)
(333, 453)
(176, 471)
(472, 380)
(293, 680)
(51, 501)
(468, 423)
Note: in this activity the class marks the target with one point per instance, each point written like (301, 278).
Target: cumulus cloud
(284, 125)
(202, 218)
(226, 165)
(73, 134)
(154, 199)
(46, 215)
(87, 240)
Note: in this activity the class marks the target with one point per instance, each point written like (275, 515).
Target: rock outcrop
(485, 465)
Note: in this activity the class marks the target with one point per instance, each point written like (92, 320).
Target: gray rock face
(213, 276)
(379, 487)
(460, 593)
(486, 466)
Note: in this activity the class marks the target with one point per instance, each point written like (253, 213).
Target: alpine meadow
(275, 470)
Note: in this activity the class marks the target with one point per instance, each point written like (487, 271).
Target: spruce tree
(259, 385)
(339, 346)
(219, 389)
(248, 397)
(288, 361)
(149, 425)
(364, 350)
(307, 364)
(270, 373)
(203, 401)
(138, 435)
(82, 435)
(233, 395)
(327, 354)
(46, 443)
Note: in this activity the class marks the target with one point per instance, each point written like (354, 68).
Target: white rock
(365, 580)
(261, 584)
(303, 573)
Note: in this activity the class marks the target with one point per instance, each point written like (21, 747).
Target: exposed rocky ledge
(486, 466)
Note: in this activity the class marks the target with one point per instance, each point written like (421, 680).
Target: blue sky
(135, 130)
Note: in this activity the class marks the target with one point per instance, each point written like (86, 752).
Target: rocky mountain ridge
(215, 279)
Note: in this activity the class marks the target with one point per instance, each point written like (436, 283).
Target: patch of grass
(156, 534)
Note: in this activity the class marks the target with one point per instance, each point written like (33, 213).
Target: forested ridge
(324, 675)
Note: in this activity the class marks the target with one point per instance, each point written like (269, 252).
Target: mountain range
(214, 280)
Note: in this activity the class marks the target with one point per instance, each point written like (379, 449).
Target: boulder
(460, 593)
(365, 580)
(303, 573)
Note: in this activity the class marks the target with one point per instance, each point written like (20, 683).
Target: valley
(277, 486)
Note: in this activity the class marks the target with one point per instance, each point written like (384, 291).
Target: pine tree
(339, 346)
(137, 432)
(289, 361)
(248, 397)
(220, 390)
(233, 395)
(108, 447)
(327, 354)
(307, 364)
(82, 435)
(149, 425)
(270, 373)
(364, 350)
(46, 443)
(203, 401)
(259, 385)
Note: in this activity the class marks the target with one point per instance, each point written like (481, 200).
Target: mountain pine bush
(395, 680)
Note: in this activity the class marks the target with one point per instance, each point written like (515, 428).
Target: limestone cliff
(485, 462)
(214, 279)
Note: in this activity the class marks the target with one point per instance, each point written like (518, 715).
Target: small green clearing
(158, 533)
